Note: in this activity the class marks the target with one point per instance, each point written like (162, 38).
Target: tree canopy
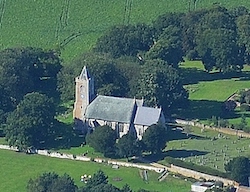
(125, 40)
(32, 122)
(239, 169)
(154, 138)
(23, 70)
(108, 78)
(160, 85)
(102, 139)
(128, 146)
(51, 182)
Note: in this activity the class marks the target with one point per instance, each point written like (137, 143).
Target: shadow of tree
(200, 109)
(193, 75)
(181, 153)
(65, 137)
(176, 134)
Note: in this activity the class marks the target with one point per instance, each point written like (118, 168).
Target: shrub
(244, 107)
(192, 55)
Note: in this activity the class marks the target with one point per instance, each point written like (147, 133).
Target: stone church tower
(84, 94)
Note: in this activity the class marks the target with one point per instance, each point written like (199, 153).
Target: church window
(121, 127)
(140, 131)
(108, 123)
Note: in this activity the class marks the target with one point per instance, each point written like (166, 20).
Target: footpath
(152, 166)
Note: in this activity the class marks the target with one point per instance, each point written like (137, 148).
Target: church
(121, 114)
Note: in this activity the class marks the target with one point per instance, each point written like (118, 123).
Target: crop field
(17, 168)
(74, 26)
(207, 148)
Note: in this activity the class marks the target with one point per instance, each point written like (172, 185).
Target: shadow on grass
(65, 138)
(182, 153)
(180, 135)
(193, 75)
(200, 109)
(205, 110)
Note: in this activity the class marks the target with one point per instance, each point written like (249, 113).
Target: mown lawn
(207, 148)
(17, 168)
(208, 91)
(47, 23)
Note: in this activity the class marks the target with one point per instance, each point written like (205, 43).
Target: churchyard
(206, 147)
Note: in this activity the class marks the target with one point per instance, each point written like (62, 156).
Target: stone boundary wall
(220, 130)
(140, 166)
(83, 158)
(198, 175)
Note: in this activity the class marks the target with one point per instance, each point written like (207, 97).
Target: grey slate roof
(147, 116)
(112, 109)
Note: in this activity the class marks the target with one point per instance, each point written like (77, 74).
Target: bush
(192, 166)
(244, 107)
(192, 55)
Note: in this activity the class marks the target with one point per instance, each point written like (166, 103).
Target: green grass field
(208, 91)
(78, 24)
(17, 168)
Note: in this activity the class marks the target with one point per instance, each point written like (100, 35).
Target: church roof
(147, 116)
(112, 109)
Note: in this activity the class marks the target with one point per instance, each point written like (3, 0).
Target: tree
(99, 182)
(125, 40)
(98, 178)
(218, 49)
(23, 70)
(128, 146)
(102, 139)
(32, 122)
(190, 22)
(154, 138)
(166, 20)
(239, 169)
(160, 85)
(243, 30)
(168, 47)
(51, 182)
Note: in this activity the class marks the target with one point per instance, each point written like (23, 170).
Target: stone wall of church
(120, 128)
(140, 130)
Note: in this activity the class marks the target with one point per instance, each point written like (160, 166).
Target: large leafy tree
(243, 31)
(23, 70)
(154, 138)
(190, 22)
(160, 85)
(128, 146)
(99, 182)
(52, 182)
(217, 41)
(239, 169)
(125, 40)
(32, 122)
(164, 21)
(219, 50)
(168, 47)
(102, 139)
